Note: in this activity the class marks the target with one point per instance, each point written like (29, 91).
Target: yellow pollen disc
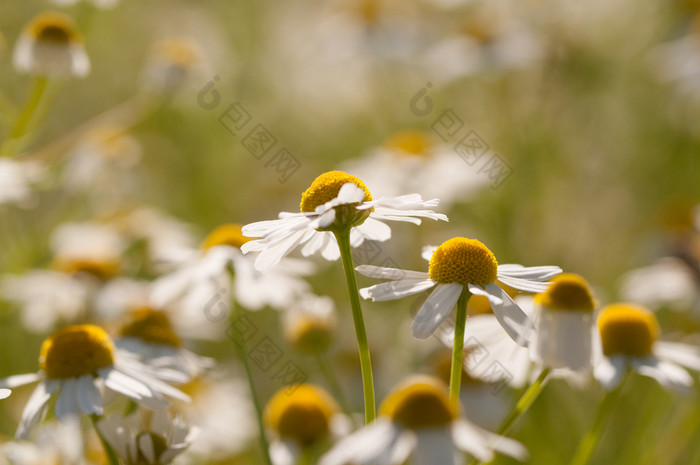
(303, 415)
(627, 329)
(53, 27)
(227, 234)
(178, 51)
(411, 142)
(568, 291)
(419, 402)
(102, 269)
(464, 261)
(326, 187)
(76, 351)
(368, 10)
(151, 326)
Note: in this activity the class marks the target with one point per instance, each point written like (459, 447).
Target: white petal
(284, 452)
(276, 251)
(364, 446)
(669, 375)
(19, 380)
(35, 408)
(146, 448)
(468, 438)
(682, 354)
(88, 396)
(374, 230)
(609, 371)
(372, 271)
(324, 220)
(512, 318)
(435, 446)
(5, 393)
(436, 307)
(396, 289)
(66, 404)
(493, 441)
(523, 284)
(534, 273)
(427, 252)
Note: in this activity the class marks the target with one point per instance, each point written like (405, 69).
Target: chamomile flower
(202, 287)
(50, 45)
(55, 443)
(415, 420)
(150, 335)
(147, 437)
(335, 201)
(564, 324)
(301, 416)
(309, 325)
(461, 265)
(409, 160)
(17, 181)
(669, 282)
(173, 63)
(76, 364)
(629, 336)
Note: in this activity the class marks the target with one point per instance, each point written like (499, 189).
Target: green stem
(458, 351)
(333, 383)
(589, 443)
(109, 451)
(523, 405)
(243, 356)
(343, 238)
(25, 118)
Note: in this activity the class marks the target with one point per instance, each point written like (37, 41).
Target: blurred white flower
(411, 161)
(416, 421)
(629, 340)
(105, 4)
(55, 443)
(147, 437)
(77, 364)
(51, 46)
(17, 179)
(174, 63)
(669, 282)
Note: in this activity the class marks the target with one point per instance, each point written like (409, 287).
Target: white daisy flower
(90, 247)
(50, 45)
(408, 162)
(564, 324)
(150, 335)
(629, 336)
(173, 63)
(76, 364)
(16, 181)
(456, 266)
(669, 282)
(309, 325)
(223, 412)
(334, 201)
(55, 443)
(199, 291)
(416, 421)
(301, 417)
(146, 437)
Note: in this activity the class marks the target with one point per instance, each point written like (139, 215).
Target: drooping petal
(534, 273)
(396, 289)
(435, 446)
(669, 375)
(523, 284)
(682, 354)
(609, 371)
(381, 272)
(512, 318)
(88, 396)
(435, 309)
(364, 446)
(19, 380)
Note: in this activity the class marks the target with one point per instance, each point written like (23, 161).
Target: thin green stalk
(333, 383)
(458, 351)
(343, 238)
(26, 116)
(523, 404)
(109, 451)
(590, 441)
(243, 356)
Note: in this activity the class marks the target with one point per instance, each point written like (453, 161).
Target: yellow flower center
(419, 402)
(101, 269)
(310, 335)
(410, 142)
(568, 291)
(479, 305)
(160, 445)
(76, 351)
(53, 27)
(178, 51)
(326, 187)
(303, 415)
(151, 326)
(627, 329)
(464, 261)
(227, 234)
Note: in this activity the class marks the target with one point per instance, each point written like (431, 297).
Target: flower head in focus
(335, 201)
